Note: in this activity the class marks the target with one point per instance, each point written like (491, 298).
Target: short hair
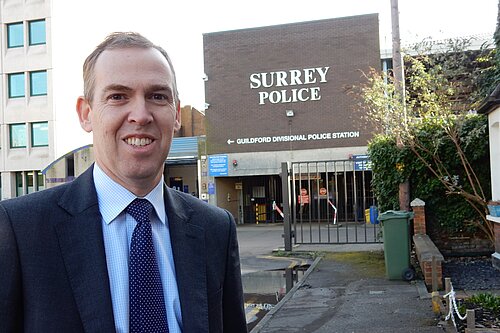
(114, 41)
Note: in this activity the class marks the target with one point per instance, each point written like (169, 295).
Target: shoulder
(34, 200)
(68, 197)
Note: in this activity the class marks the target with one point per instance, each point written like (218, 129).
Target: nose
(139, 112)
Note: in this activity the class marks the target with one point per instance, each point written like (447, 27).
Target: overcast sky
(178, 26)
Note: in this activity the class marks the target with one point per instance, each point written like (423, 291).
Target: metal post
(285, 184)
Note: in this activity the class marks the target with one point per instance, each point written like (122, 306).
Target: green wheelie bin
(396, 235)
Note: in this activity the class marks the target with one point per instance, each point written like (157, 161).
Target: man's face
(133, 116)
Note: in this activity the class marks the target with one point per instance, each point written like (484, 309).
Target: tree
(443, 85)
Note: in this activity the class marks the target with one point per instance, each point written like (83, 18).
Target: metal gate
(329, 202)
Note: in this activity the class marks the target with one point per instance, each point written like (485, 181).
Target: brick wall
(192, 122)
(418, 207)
(424, 247)
(349, 46)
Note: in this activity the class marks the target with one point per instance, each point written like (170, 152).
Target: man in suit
(67, 259)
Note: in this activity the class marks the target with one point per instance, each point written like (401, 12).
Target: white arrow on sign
(229, 141)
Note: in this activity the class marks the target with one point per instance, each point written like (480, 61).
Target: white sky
(178, 26)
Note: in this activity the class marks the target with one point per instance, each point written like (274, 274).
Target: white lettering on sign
(292, 77)
(295, 137)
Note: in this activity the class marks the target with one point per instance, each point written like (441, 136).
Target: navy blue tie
(147, 305)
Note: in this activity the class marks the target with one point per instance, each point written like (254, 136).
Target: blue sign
(211, 188)
(362, 162)
(217, 165)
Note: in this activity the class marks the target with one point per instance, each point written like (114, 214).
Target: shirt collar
(113, 198)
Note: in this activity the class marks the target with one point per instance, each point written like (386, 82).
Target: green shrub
(391, 166)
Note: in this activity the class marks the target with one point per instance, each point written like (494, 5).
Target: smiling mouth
(139, 141)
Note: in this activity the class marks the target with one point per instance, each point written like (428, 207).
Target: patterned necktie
(147, 305)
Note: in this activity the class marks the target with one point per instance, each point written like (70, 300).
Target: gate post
(285, 184)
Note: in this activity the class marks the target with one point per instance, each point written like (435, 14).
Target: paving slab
(339, 296)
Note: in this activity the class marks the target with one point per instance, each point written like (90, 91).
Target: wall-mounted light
(290, 113)
(206, 105)
(204, 77)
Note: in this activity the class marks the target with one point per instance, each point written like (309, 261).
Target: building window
(30, 182)
(40, 184)
(40, 134)
(15, 35)
(37, 32)
(16, 85)
(19, 184)
(33, 181)
(18, 135)
(38, 83)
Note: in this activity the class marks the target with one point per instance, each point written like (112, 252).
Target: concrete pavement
(343, 293)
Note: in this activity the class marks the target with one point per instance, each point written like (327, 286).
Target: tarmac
(345, 297)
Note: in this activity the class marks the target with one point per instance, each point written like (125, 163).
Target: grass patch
(370, 263)
(299, 254)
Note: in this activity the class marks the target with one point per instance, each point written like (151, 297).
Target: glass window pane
(18, 135)
(40, 134)
(16, 85)
(15, 35)
(38, 83)
(40, 181)
(37, 32)
(30, 182)
(19, 184)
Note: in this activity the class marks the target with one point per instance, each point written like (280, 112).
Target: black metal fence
(330, 202)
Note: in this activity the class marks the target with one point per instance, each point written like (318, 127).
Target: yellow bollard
(436, 302)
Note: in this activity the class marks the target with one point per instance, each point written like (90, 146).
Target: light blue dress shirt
(118, 227)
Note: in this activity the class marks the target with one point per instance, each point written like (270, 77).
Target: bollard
(436, 302)
(471, 319)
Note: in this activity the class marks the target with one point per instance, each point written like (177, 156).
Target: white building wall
(27, 109)
(494, 127)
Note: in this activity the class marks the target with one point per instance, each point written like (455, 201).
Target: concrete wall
(83, 159)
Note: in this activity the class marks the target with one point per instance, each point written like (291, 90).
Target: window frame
(9, 79)
(19, 179)
(8, 27)
(33, 136)
(10, 136)
(31, 83)
(30, 32)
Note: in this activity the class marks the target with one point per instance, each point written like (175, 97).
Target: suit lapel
(188, 246)
(82, 247)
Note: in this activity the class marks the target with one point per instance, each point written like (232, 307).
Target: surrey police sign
(289, 87)
(286, 83)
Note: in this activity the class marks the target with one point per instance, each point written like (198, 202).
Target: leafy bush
(391, 165)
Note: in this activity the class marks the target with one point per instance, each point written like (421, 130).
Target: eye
(159, 97)
(116, 97)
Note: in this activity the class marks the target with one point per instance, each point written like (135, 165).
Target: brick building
(283, 94)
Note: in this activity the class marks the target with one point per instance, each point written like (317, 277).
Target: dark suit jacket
(53, 274)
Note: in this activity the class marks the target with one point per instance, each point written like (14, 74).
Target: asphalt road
(257, 243)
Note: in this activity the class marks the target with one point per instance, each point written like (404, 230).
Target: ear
(84, 113)
(177, 124)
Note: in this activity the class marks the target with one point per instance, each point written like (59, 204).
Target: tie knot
(140, 209)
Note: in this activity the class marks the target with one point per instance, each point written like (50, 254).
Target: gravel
(475, 273)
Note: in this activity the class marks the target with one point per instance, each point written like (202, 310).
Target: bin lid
(395, 214)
